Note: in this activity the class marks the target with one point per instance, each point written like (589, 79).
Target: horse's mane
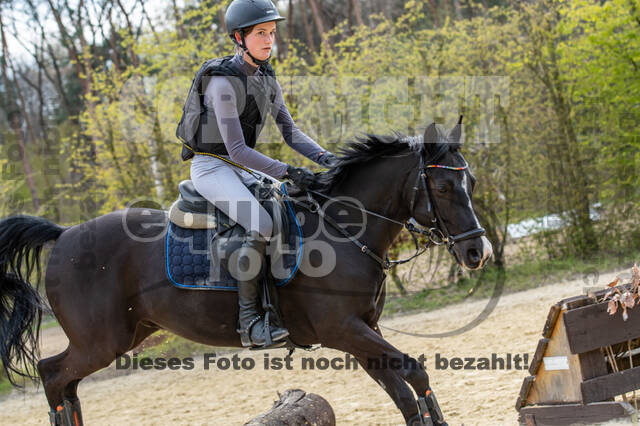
(369, 147)
(362, 150)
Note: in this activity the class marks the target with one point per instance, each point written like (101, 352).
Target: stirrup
(245, 333)
(274, 345)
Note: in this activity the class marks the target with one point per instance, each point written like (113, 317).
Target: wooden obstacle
(296, 407)
(572, 379)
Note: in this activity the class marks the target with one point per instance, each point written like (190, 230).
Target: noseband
(438, 234)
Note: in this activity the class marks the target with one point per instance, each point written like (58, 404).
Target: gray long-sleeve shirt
(221, 97)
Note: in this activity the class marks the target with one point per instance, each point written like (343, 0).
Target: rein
(437, 235)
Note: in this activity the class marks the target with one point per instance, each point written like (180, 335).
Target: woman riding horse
(237, 92)
(106, 279)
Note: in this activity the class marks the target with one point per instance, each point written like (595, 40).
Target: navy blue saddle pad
(188, 256)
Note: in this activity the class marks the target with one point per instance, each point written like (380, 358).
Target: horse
(109, 291)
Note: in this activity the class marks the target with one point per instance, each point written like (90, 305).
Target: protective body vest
(198, 128)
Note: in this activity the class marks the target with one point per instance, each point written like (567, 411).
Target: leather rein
(437, 235)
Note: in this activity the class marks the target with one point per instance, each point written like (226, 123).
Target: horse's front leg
(413, 373)
(390, 368)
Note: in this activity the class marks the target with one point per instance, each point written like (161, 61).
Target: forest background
(91, 92)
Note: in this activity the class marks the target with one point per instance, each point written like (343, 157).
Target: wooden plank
(604, 387)
(529, 420)
(591, 327)
(568, 414)
(524, 391)
(552, 317)
(624, 363)
(571, 299)
(576, 302)
(557, 386)
(593, 364)
(537, 357)
(601, 293)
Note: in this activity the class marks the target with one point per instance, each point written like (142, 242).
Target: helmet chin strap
(244, 47)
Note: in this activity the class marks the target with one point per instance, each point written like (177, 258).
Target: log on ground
(296, 407)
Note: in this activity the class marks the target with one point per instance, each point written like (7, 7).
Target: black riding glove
(328, 159)
(300, 176)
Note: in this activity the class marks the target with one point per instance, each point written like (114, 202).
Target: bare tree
(317, 17)
(357, 11)
(15, 113)
(290, 26)
(307, 30)
(433, 5)
(134, 58)
(176, 14)
(457, 8)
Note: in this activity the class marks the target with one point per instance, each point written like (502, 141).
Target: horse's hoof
(417, 421)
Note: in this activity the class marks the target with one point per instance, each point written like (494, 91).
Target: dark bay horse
(110, 291)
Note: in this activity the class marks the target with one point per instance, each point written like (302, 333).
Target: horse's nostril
(474, 255)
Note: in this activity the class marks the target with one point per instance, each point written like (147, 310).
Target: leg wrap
(72, 406)
(430, 410)
(418, 420)
(67, 414)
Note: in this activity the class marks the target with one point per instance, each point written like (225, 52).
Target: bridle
(437, 235)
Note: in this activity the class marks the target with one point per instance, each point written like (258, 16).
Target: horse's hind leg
(60, 375)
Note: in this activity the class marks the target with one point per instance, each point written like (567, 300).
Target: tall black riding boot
(250, 269)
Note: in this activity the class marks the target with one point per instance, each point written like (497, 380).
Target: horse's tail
(21, 307)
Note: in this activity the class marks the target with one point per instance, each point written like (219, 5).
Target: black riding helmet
(247, 13)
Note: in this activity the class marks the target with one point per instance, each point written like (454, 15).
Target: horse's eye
(442, 189)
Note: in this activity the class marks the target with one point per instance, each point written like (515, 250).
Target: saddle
(195, 228)
(192, 211)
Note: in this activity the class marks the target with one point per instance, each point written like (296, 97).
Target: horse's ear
(455, 133)
(431, 134)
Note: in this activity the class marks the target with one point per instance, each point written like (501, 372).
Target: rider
(229, 98)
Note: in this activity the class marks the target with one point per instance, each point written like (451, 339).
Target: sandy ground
(216, 397)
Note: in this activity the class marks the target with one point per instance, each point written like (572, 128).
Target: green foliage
(560, 135)
(5, 385)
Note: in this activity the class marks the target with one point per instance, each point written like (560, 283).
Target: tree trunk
(281, 48)
(307, 30)
(357, 12)
(296, 407)
(72, 50)
(152, 27)
(14, 118)
(457, 8)
(433, 5)
(290, 27)
(115, 58)
(176, 14)
(575, 184)
(317, 18)
(134, 57)
(223, 24)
